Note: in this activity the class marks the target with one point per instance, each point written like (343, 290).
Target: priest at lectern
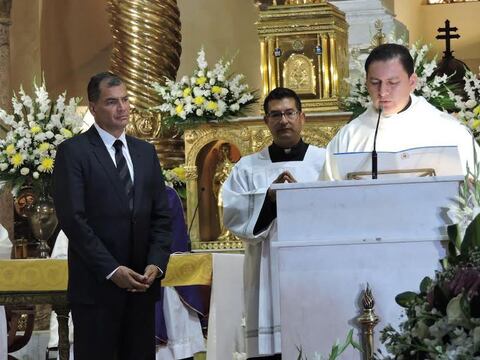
(250, 210)
(405, 121)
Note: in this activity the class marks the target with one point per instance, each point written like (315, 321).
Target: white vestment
(420, 125)
(243, 196)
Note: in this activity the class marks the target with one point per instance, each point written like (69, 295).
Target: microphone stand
(374, 152)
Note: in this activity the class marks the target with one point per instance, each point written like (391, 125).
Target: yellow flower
(212, 105)
(201, 80)
(179, 108)
(67, 134)
(180, 172)
(17, 160)
(476, 124)
(35, 129)
(187, 91)
(476, 111)
(216, 89)
(10, 150)
(199, 100)
(47, 164)
(43, 147)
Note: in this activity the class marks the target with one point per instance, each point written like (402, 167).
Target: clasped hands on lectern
(284, 177)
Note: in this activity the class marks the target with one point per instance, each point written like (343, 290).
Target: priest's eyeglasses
(278, 115)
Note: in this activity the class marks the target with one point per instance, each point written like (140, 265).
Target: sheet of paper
(443, 160)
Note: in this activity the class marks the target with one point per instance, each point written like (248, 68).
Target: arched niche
(244, 136)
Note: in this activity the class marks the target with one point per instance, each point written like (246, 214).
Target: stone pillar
(6, 203)
(361, 17)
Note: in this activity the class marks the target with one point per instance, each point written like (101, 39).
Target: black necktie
(123, 172)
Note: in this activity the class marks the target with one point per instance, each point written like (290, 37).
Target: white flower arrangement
(434, 89)
(467, 205)
(468, 111)
(36, 127)
(210, 94)
(442, 320)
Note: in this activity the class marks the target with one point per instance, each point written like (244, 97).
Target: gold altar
(304, 46)
(205, 163)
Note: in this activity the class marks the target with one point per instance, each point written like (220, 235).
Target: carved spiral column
(146, 45)
(6, 204)
(147, 48)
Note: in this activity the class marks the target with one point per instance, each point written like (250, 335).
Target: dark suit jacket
(92, 209)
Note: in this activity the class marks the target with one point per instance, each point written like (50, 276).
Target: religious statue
(222, 170)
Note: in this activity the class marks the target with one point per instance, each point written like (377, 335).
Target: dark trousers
(123, 331)
(270, 357)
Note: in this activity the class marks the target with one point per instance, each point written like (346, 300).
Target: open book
(422, 161)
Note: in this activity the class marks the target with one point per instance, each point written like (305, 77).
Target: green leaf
(406, 298)
(425, 284)
(334, 353)
(454, 237)
(471, 240)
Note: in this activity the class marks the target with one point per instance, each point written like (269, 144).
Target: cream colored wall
(223, 27)
(76, 43)
(67, 40)
(424, 20)
(409, 12)
(25, 45)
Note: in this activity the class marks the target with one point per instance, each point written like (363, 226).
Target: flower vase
(43, 220)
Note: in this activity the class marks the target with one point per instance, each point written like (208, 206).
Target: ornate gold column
(6, 203)
(147, 48)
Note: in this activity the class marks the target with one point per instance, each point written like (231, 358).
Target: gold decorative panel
(207, 159)
(299, 74)
(304, 46)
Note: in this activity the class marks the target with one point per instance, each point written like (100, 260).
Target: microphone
(374, 152)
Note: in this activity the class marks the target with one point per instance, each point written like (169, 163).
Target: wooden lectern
(334, 237)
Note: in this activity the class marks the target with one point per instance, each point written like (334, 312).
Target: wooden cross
(448, 34)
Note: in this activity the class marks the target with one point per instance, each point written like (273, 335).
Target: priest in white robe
(407, 121)
(250, 211)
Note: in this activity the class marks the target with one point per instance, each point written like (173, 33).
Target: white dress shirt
(108, 139)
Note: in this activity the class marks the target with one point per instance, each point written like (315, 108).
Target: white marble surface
(361, 211)
(320, 289)
(334, 237)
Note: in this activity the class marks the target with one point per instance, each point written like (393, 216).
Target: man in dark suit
(111, 203)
